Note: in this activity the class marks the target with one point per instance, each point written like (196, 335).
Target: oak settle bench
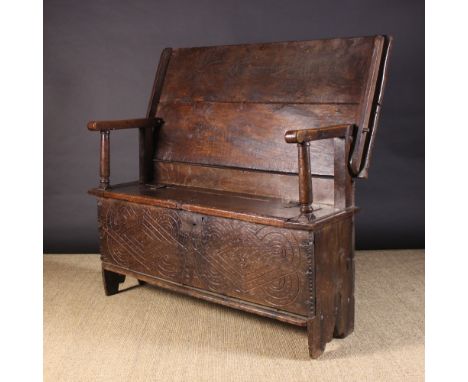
(248, 160)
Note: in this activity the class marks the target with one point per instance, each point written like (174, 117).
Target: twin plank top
(231, 105)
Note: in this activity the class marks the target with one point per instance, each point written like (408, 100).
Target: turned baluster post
(305, 180)
(302, 139)
(104, 168)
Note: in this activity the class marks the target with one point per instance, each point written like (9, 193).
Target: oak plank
(319, 71)
(246, 135)
(283, 186)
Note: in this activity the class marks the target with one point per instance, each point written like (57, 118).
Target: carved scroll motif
(249, 257)
(250, 261)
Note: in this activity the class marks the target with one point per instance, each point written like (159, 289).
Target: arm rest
(141, 123)
(302, 139)
(104, 127)
(308, 135)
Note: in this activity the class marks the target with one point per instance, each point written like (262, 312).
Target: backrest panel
(321, 71)
(285, 186)
(246, 135)
(229, 106)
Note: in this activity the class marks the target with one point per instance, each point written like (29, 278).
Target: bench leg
(315, 337)
(111, 281)
(344, 325)
(345, 320)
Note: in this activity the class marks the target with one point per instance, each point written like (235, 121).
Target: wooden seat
(246, 207)
(248, 160)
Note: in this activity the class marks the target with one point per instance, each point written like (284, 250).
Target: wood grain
(139, 123)
(246, 135)
(220, 212)
(320, 71)
(202, 294)
(243, 181)
(146, 136)
(248, 208)
(376, 108)
(367, 103)
(257, 263)
(333, 305)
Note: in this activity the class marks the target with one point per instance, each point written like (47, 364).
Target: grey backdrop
(99, 62)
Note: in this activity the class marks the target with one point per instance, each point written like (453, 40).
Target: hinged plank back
(229, 106)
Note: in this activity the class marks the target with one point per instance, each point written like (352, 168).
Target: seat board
(256, 209)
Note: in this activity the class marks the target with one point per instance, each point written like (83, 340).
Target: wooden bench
(248, 159)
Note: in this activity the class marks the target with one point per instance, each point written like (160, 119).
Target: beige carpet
(148, 334)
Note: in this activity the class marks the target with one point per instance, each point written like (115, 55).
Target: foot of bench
(345, 313)
(345, 320)
(315, 337)
(111, 281)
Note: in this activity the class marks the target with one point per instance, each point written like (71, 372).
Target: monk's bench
(226, 209)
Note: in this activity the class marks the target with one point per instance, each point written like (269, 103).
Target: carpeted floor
(148, 334)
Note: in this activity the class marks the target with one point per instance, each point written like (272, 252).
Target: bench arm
(141, 123)
(302, 138)
(105, 127)
(308, 135)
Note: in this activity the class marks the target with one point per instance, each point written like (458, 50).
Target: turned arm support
(302, 138)
(104, 127)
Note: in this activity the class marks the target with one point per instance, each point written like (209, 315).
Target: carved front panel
(256, 263)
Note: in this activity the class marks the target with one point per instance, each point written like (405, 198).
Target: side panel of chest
(256, 263)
